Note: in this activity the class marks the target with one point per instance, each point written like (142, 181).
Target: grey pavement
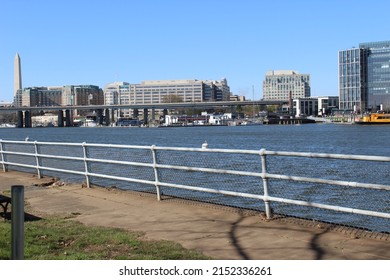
(219, 232)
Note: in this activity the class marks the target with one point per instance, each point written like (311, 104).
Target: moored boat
(375, 118)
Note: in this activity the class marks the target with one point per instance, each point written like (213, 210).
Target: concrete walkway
(216, 231)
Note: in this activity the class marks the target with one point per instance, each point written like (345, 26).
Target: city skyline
(100, 43)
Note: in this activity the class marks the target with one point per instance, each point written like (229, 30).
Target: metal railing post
(268, 211)
(156, 178)
(86, 164)
(5, 167)
(37, 159)
(17, 219)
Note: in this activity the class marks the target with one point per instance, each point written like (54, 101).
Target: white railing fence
(287, 183)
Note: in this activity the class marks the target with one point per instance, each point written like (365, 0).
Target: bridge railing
(274, 182)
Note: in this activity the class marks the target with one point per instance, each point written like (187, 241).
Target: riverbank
(218, 232)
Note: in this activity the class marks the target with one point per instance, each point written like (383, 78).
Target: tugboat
(375, 118)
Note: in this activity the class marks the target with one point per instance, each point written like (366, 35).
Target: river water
(327, 138)
(324, 138)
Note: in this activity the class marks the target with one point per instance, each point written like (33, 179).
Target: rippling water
(328, 138)
(325, 138)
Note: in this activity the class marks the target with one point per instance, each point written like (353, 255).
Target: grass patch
(57, 238)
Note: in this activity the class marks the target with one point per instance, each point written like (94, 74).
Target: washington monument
(17, 74)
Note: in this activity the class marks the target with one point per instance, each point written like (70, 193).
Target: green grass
(56, 238)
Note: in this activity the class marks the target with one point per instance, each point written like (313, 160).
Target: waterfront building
(315, 106)
(82, 95)
(283, 85)
(41, 97)
(61, 95)
(118, 93)
(167, 91)
(237, 98)
(18, 98)
(164, 91)
(352, 79)
(305, 107)
(216, 90)
(326, 104)
(364, 77)
(203, 119)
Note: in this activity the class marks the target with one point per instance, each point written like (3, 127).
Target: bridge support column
(20, 119)
(107, 116)
(112, 115)
(68, 119)
(135, 114)
(60, 120)
(145, 116)
(27, 119)
(99, 116)
(153, 116)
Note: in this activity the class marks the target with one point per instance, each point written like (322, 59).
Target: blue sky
(98, 42)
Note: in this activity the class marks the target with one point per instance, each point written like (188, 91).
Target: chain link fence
(225, 177)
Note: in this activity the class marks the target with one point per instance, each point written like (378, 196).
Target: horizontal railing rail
(14, 154)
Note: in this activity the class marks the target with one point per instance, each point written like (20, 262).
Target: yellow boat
(375, 118)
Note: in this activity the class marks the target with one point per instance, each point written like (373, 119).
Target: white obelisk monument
(17, 74)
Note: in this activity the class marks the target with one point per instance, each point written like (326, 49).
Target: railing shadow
(314, 243)
(235, 240)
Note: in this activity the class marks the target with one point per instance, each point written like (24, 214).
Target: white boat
(89, 123)
(7, 125)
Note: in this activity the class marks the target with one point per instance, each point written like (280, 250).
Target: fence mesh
(328, 194)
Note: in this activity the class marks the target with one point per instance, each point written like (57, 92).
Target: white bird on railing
(27, 139)
(205, 145)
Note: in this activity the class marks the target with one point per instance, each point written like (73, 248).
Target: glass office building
(378, 75)
(352, 79)
(364, 77)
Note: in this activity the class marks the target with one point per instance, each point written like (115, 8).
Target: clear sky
(97, 42)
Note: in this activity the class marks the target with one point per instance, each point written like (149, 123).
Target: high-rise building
(283, 85)
(364, 77)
